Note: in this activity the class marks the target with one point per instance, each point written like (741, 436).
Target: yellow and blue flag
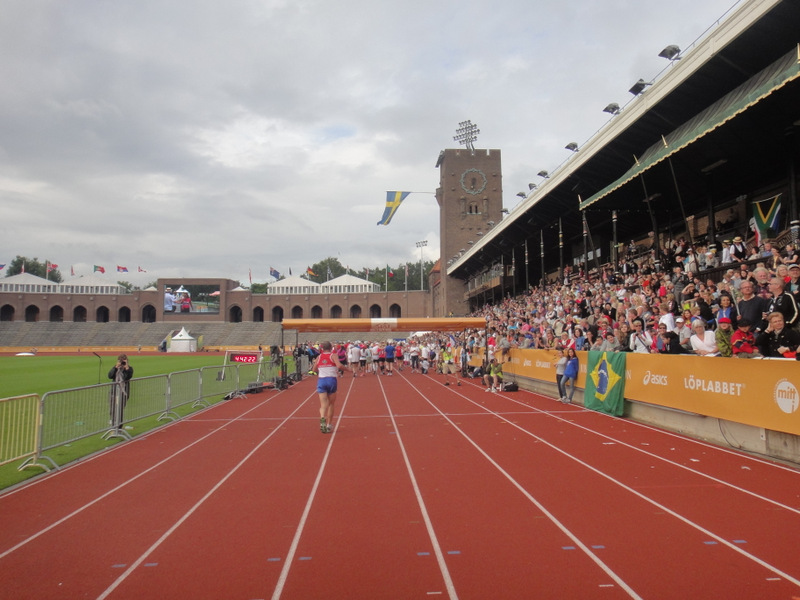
(393, 201)
(605, 384)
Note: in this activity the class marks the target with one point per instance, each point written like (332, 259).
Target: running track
(422, 491)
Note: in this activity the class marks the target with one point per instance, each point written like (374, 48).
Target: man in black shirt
(751, 307)
(782, 302)
(777, 339)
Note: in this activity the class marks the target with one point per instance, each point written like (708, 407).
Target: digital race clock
(244, 357)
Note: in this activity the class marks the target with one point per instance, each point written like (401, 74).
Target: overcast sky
(198, 138)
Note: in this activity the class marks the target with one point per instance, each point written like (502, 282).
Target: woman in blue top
(570, 375)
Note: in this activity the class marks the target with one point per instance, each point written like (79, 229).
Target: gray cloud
(205, 139)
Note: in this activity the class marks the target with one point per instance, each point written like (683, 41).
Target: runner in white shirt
(354, 357)
(413, 354)
(375, 349)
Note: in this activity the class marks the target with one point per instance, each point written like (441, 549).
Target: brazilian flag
(605, 383)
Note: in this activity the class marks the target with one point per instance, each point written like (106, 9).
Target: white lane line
(127, 482)
(197, 505)
(437, 549)
(287, 565)
(765, 462)
(656, 456)
(586, 550)
(627, 488)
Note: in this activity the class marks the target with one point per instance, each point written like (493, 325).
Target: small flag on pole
(72, 271)
(141, 270)
(2, 266)
(393, 201)
(51, 267)
(274, 273)
(310, 273)
(122, 269)
(98, 268)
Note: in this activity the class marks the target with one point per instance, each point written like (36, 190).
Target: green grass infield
(22, 375)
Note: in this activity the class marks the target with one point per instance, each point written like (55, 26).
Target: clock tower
(470, 197)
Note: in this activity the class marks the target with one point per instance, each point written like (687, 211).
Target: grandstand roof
(743, 155)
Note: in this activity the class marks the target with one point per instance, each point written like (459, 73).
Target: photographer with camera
(121, 373)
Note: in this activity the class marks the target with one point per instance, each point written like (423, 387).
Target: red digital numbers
(244, 358)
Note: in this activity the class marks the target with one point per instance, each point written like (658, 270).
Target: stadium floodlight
(671, 52)
(612, 108)
(544, 174)
(639, 86)
(467, 133)
(421, 245)
(572, 147)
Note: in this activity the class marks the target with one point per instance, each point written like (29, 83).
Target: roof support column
(793, 156)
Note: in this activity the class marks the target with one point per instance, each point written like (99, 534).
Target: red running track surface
(422, 491)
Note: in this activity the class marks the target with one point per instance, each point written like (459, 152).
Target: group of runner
(362, 358)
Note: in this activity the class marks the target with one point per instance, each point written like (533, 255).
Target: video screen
(191, 299)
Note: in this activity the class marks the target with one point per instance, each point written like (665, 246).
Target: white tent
(183, 342)
(349, 284)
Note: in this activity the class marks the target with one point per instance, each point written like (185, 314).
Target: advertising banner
(541, 364)
(763, 393)
(759, 392)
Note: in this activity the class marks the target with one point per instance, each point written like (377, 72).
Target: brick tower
(470, 197)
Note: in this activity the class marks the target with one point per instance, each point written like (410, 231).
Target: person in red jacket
(743, 341)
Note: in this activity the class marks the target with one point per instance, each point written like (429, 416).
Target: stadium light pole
(421, 245)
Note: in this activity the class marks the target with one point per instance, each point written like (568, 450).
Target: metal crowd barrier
(19, 430)
(30, 425)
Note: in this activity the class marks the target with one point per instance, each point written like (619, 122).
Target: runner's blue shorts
(327, 385)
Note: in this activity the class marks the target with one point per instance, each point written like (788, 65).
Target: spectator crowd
(683, 299)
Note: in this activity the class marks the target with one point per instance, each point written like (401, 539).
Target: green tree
(322, 267)
(23, 264)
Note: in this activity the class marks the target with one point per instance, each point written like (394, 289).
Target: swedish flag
(393, 201)
(605, 385)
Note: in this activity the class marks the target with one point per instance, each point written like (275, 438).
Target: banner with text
(762, 393)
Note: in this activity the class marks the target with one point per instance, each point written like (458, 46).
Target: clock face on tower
(473, 181)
